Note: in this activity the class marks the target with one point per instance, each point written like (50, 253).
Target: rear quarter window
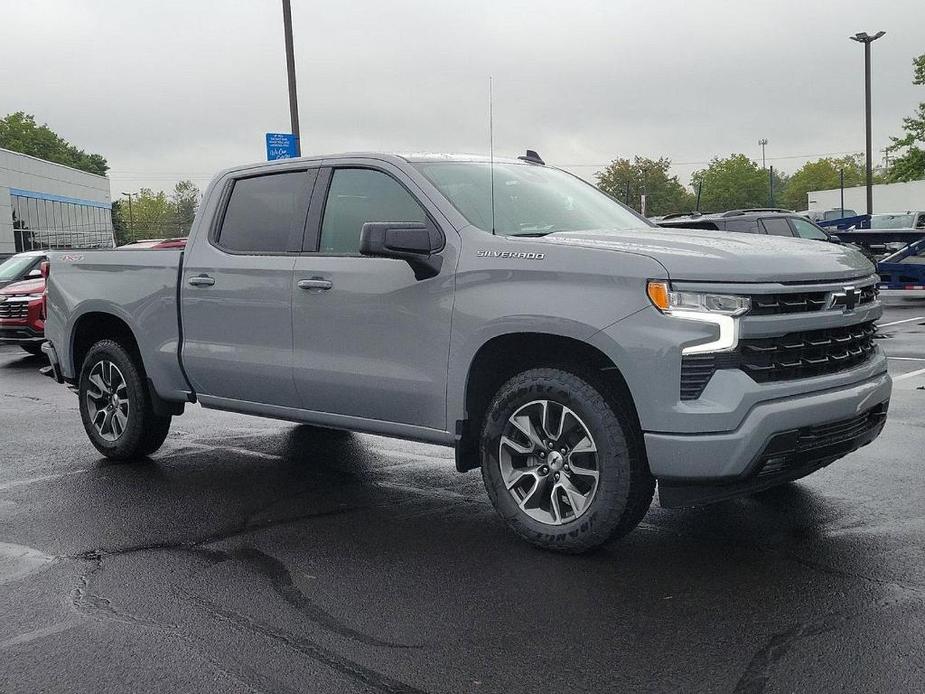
(777, 226)
(745, 226)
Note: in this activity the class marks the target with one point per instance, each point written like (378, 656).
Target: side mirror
(417, 243)
(35, 273)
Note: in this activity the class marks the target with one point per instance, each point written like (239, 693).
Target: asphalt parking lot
(251, 555)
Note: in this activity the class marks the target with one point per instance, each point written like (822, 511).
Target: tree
(20, 133)
(822, 174)
(151, 215)
(910, 166)
(185, 201)
(120, 222)
(626, 180)
(735, 182)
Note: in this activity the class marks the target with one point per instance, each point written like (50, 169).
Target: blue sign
(281, 146)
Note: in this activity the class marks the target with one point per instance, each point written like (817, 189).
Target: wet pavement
(252, 555)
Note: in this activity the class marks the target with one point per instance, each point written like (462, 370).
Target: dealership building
(48, 205)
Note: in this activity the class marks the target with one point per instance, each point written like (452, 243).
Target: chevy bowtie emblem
(847, 298)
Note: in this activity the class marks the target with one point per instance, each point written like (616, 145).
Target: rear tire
(597, 490)
(33, 348)
(115, 404)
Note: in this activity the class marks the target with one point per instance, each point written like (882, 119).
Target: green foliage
(910, 165)
(822, 174)
(152, 215)
(20, 133)
(185, 201)
(626, 180)
(730, 183)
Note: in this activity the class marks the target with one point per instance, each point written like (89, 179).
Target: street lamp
(763, 142)
(866, 39)
(131, 217)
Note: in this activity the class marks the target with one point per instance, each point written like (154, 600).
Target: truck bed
(139, 287)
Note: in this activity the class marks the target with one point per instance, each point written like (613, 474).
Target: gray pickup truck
(573, 351)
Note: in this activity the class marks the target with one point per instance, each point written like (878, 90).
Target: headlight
(719, 309)
(670, 302)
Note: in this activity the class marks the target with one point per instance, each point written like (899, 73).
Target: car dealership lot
(251, 555)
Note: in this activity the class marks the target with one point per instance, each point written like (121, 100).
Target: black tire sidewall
(601, 519)
(127, 445)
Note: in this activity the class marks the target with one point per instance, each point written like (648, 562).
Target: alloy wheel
(107, 400)
(549, 462)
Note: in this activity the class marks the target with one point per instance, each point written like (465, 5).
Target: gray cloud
(170, 89)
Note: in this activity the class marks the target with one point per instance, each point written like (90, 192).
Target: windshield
(529, 200)
(15, 267)
(891, 221)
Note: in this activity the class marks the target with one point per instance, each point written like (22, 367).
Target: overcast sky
(169, 89)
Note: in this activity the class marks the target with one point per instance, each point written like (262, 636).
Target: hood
(23, 287)
(722, 256)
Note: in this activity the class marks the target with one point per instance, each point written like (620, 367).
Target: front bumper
(20, 335)
(699, 468)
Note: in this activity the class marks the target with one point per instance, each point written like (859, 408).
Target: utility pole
(886, 158)
(771, 187)
(841, 183)
(764, 143)
(290, 71)
(863, 37)
(131, 216)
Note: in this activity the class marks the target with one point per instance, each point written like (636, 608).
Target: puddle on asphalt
(17, 561)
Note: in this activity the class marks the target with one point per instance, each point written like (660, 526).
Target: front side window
(358, 196)
(777, 226)
(264, 212)
(808, 230)
(529, 200)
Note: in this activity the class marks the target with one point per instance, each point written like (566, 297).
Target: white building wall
(20, 171)
(888, 197)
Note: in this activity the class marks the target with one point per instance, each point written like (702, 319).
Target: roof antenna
(491, 151)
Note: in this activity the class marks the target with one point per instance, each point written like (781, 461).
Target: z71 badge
(518, 255)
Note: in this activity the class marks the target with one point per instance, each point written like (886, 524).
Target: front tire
(564, 467)
(115, 404)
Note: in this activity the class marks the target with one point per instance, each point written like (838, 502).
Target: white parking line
(911, 374)
(897, 322)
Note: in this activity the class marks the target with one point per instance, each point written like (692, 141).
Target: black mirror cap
(414, 242)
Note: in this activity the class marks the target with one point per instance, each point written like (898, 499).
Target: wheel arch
(504, 355)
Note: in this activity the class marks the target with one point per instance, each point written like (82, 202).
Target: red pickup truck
(22, 320)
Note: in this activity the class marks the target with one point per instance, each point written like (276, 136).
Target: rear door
(236, 290)
(370, 340)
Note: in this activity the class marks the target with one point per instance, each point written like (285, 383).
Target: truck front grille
(793, 356)
(14, 310)
(801, 302)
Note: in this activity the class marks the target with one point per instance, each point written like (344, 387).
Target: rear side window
(265, 212)
(743, 225)
(358, 196)
(777, 226)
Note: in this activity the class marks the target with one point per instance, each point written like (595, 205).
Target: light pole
(290, 71)
(863, 37)
(763, 142)
(131, 216)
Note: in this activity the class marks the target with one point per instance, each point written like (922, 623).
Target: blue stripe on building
(59, 198)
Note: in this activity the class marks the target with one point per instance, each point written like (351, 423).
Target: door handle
(201, 281)
(316, 283)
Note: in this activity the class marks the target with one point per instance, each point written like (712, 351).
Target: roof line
(53, 163)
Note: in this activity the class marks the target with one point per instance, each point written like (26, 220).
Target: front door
(236, 291)
(370, 340)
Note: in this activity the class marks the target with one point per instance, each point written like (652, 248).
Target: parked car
(572, 350)
(22, 319)
(772, 221)
(21, 266)
(154, 244)
(828, 215)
